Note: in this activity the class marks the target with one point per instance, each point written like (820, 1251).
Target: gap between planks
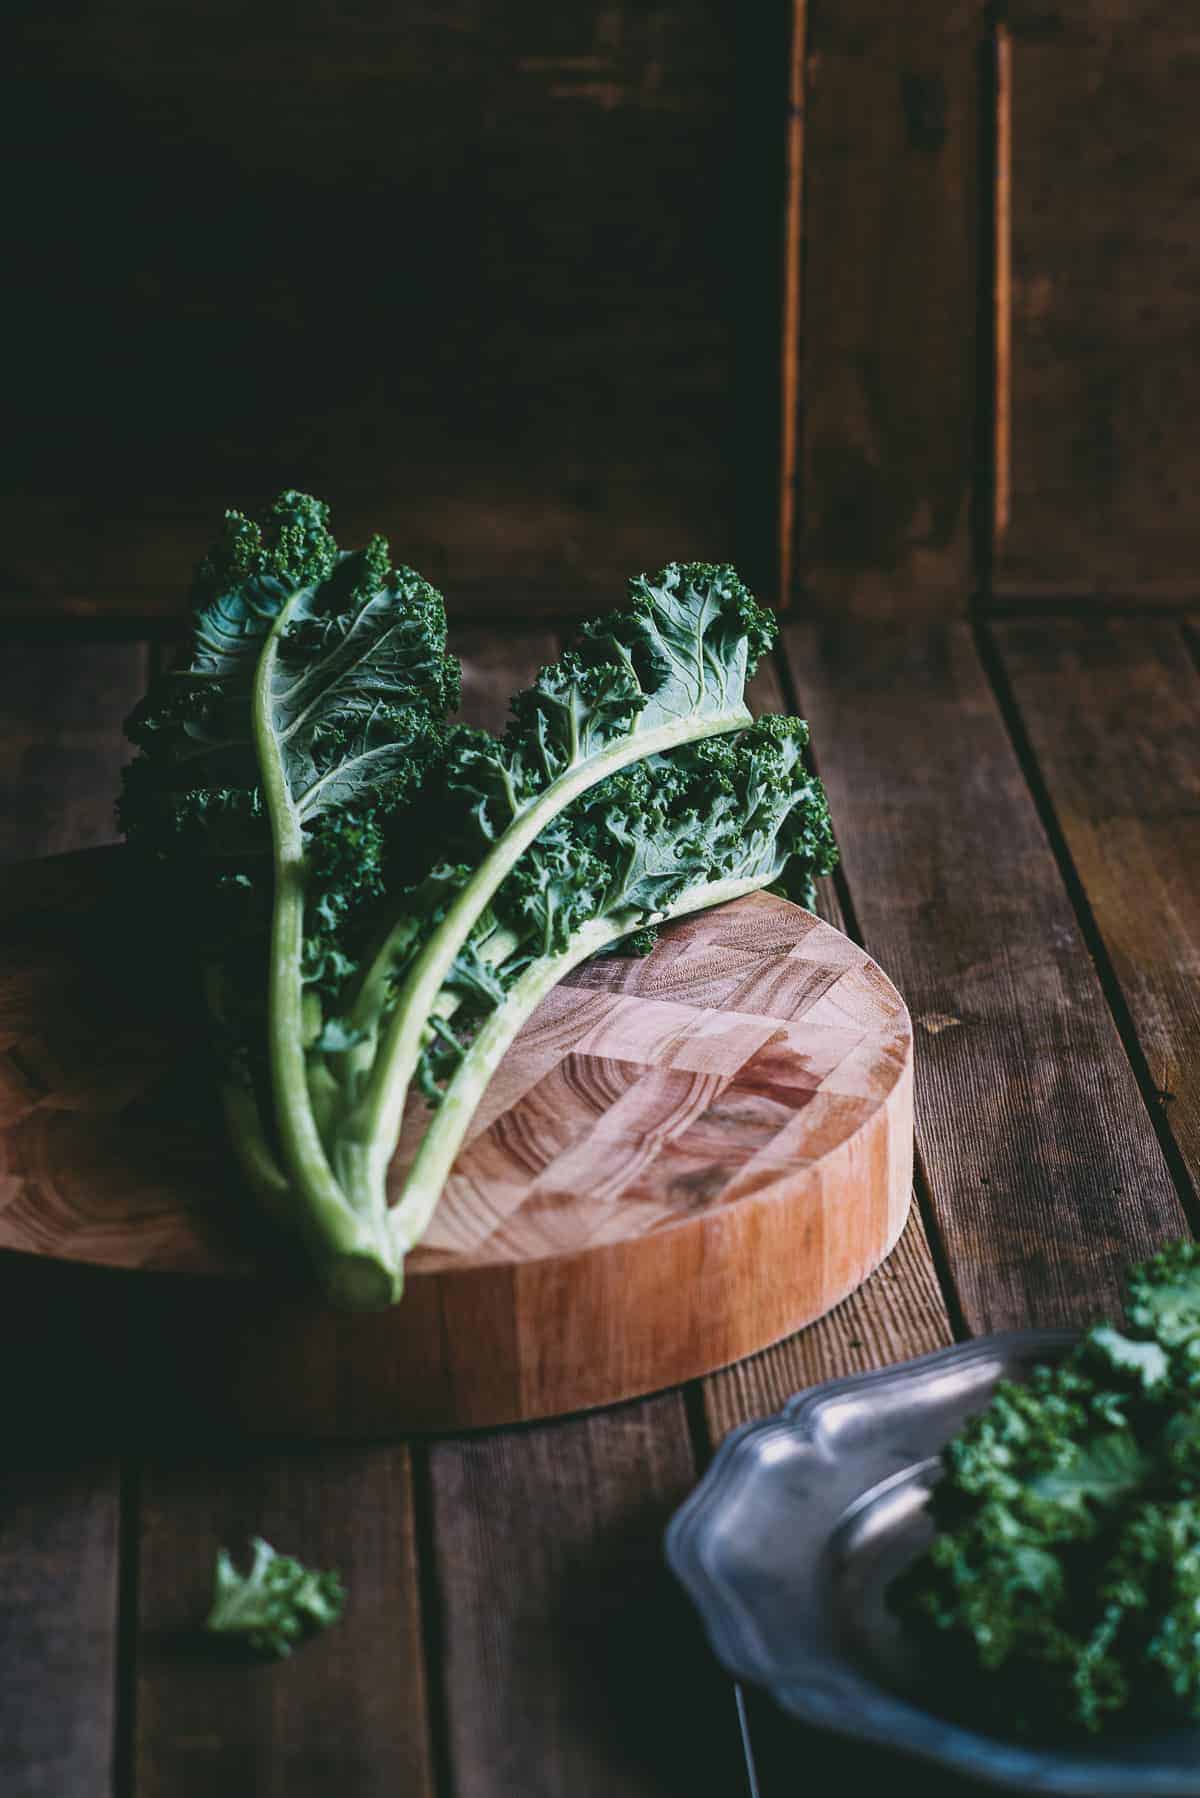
(115, 1565)
(522, 1519)
(1045, 1175)
(943, 688)
(898, 1313)
(60, 1531)
(548, 1610)
(1045, 1172)
(346, 1714)
(1105, 715)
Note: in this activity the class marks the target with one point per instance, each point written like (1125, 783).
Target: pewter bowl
(787, 1546)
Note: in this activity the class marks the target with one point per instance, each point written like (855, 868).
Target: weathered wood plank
(1112, 711)
(1105, 264)
(347, 1712)
(571, 1663)
(58, 1606)
(555, 1615)
(888, 336)
(896, 1314)
(210, 1725)
(60, 752)
(528, 379)
(1045, 1171)
(792, 297)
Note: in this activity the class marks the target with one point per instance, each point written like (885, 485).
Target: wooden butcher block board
(680, 1160)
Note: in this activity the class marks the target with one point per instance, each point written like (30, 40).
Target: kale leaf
(1066, 1560)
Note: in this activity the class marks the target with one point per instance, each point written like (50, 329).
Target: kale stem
(375, 1124)
(410, 1218)
(255, 1156)
(350, 1251)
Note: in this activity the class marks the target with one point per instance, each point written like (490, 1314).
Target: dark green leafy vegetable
(669, 836)
(1066, 1563)
(378, 899)
(272, 762)
(276, 1604)
(670, 669)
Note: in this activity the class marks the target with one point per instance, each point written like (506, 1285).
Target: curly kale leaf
(276, 762)
(1066, 1560)
(1164, 1296)
(378, 899)
(668, 670)
(675, 661)
(360, 679)
(194, 726)
(358, 687)
(691, 636)
(740, 807)
(274, 1605)
(706, 822)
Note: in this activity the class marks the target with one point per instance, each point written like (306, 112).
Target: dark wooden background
(893, 304)
(501, 278)
(519, 282)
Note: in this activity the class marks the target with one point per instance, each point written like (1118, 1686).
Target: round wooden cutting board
(680, 1160)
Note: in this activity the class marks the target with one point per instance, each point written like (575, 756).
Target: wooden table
(1018, 805)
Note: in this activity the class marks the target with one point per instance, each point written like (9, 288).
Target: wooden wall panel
(889, 338)
(1105, 301)
(487, 275)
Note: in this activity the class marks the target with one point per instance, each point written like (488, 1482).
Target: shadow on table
(791, 1759)
(640, 1670)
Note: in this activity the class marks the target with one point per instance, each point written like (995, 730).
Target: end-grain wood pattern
(680, 1160)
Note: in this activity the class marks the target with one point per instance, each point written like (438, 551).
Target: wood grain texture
(551, 1613)
(345, 1715)
(730, 1116)
(1013, 1038)
(1105, 264)
(514, 351)
(887, 341)
(897, 1313)
(792, 291)
(571, 1662)
(58, 1613)
(1002, 287)
(60, 711)
(1112, 709)
(1045, 1172)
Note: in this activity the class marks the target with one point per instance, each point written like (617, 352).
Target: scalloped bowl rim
(840, 1697)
